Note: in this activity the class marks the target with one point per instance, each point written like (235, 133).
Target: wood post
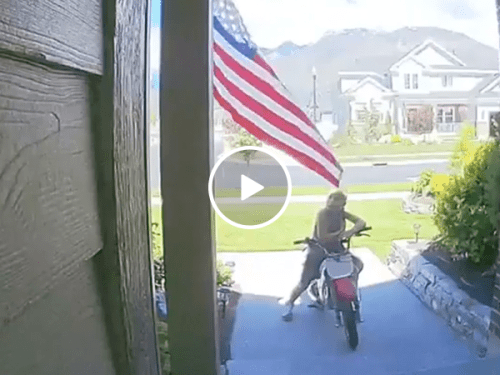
(186, 160)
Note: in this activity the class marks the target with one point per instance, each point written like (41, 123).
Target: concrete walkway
(399, 335)
(156, 201)
(276, 273)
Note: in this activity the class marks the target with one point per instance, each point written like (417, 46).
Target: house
(427, 90)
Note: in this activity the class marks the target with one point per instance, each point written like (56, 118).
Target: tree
(239, 137)
(371, 118)
(421, 119)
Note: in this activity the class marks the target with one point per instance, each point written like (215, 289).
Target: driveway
(399, 335)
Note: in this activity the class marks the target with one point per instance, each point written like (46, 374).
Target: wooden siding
(67, 32)
(75, 266)
(60, 333)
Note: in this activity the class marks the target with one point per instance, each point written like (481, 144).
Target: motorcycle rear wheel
(350, 328)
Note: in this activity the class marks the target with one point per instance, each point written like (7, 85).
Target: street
(300, 176)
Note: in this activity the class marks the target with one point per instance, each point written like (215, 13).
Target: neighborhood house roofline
(365, 81)
(461, 71)
(428, 43)
(457, 73)
(489, 86)
(359, 74)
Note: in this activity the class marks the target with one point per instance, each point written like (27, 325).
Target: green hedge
(466, 211)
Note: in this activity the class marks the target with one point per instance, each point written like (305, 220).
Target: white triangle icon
(249, 187)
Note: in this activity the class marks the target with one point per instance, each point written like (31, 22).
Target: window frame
(407, 83)
(415, 81)
(447, 81)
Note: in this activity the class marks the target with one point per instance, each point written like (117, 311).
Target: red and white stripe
(249, 90)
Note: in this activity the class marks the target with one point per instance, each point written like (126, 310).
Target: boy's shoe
(337, 319)
(287, 317)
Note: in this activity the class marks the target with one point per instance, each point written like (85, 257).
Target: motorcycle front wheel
(351, 331)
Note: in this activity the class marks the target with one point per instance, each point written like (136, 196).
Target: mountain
(364, 50)
(284, 50)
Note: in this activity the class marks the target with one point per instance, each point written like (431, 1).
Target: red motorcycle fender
(345, 290)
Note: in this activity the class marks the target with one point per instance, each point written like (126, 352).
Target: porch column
(186, 160)
(395, 115)
(434, 118)
(472, 114)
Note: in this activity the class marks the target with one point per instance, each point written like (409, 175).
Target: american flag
(248, 88)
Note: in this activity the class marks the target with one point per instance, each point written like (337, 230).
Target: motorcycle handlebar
(359, 234)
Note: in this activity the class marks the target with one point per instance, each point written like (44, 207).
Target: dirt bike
(335, 288)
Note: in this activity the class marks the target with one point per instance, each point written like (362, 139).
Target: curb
(440, 293)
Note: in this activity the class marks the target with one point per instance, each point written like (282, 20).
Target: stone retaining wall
(412, 207)
(440, 293)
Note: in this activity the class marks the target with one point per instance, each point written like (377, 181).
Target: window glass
(407, 81)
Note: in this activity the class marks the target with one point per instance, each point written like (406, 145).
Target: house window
(415, 81)
(407, 81)
(447, 81)
(360, 115)
(448, 115)
(445, 115)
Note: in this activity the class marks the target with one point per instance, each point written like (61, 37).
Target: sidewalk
(156, 201)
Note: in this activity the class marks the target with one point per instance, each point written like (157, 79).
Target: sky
(272, 22)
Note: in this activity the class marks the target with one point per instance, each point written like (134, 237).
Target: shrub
(224, 274)
(423, 185)
(407, 142)
(492, 190)
(396, 138)
(438, 183)
(464, 149)
(339, 140)
(464, 215)
(162, 331)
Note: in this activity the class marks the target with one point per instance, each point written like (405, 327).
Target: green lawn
(389, 223)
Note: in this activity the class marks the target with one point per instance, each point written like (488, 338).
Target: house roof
(429, 43)
(448, 67)
(368, 80)
(489, 84)
(438, 95)
(356, 74)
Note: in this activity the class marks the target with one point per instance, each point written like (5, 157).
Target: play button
(249, 187)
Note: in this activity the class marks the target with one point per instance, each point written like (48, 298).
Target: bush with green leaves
(464, 150)
(465, 212)
(438, 183)
(162, 334)
(396, 138)
(423, 185)
(339, 140)
(492, 189)
(224, 274)
(240, 137)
